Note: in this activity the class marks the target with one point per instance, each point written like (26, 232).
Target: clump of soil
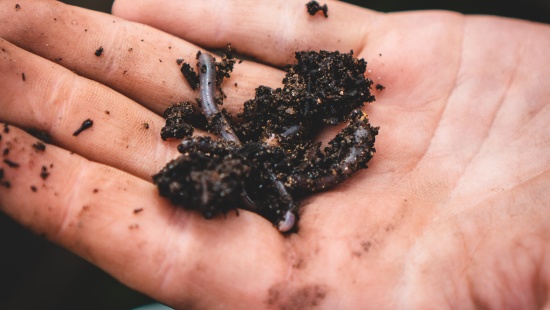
(85, 125)
(268, 158)
(313, 7)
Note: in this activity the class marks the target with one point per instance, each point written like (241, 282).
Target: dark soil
(313, 7)
(272, 160)
(99, 51)
(44, 173)
(85, 125)
(40, 135)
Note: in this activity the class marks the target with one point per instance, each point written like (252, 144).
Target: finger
(119, 223)
(268, 30)
(137, 61)
(41, 95)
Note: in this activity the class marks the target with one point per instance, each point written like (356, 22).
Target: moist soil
(275, 161)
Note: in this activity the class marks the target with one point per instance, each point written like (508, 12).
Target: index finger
(267, 30)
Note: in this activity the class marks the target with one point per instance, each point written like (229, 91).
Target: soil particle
(85, 125)
(380, 87)
(190, 75)
(146, 125)
(179, 61)
(44, 174)
(33, 188)
(23, 76)
(10, 163)
(17, 7)
(138, 210)
(107, 112)
(306, 297)
(40, 135)
(99, 51)
(313, 7)
(180, 119)
(39, 146)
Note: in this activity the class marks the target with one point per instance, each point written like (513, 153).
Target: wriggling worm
(207, 82)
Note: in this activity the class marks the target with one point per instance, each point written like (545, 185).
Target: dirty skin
(266, 159)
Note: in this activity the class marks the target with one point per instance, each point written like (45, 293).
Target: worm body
(207, 78)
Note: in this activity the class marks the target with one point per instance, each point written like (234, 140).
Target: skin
(453, 209)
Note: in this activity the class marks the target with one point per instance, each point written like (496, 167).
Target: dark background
(35, 274)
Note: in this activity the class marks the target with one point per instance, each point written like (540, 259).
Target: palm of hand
(451, 208)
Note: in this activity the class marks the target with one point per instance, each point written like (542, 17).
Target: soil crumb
(10, 163)
(85, 125)
(39, 146)
(40, 135)
(99, 51)
(313, 7)
(44, 174)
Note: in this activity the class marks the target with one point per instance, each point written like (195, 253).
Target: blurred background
(35, 274)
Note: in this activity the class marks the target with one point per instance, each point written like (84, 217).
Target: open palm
(452, 210)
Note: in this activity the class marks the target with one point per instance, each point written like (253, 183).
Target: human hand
(451, 210)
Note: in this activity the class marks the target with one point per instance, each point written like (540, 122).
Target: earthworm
(207, 80)
(207, 77)
(360, 150)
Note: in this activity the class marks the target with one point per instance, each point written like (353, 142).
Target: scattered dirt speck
(39, 146)
(313, 7)
(10, 163)
(23, 76)
(306, 297)
(99, 51)
(40, 135)
(33, 188)
(85, 125)
(17, 7)
(380, 87)
(95, 191)
(44, 174)
(138, 210)
(146, 125)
